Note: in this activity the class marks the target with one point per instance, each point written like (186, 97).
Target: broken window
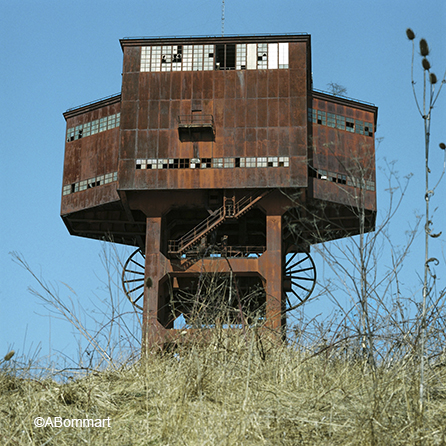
(350, 124)
(177, 57)
(225, 56)
(206, 163)
(195, 163)
(368, 129)
(70, 134)
(321, 117)
(284, 161)
(221, 57)
(208, 57)
(273, 161)
(262, 56)
(141, 164)
(184, 163)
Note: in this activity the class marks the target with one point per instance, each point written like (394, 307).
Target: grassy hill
(237, 389)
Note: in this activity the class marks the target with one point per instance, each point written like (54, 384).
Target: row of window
(239, 56)
(92, 127)
(335, 177)
(340, 122)
(215, 163)
(91, 182)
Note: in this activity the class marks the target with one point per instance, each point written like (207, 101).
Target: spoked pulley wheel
(133, 278)
(299, 279)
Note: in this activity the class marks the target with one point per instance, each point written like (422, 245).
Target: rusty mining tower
(218, 157)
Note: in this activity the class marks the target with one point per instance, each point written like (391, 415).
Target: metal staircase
(230, 210)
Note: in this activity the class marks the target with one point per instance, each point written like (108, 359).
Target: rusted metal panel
(91, 155)
(350, 196)
(196, 138)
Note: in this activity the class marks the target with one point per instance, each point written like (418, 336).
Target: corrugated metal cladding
(243, 101)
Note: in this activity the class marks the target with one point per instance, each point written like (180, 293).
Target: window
(208, 61)
(155, 60)
(90, 128)
(273, 56)
(94, 127)
(262, 161)
(240, 60)
(174, 163)
(184, 163)
(331, 120)
(206, 163)
(284, 161)
(70, 134)
(198, 58)
(219, 57)
(103, 124)
(187, 58)
(217, 163)
(251, 56)
(163, 163)
(262, 56)
(273, 161)
(225, 57)
(283, 55)
(145, 58)
(340, 122)
(250, 162)
(322, 174)
(350, 125)
(368, 129)
(240, 162)
(229, 163)
(359, 126)
(141, 164)
(321, 117)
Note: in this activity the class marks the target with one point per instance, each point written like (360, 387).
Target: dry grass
(232, 391)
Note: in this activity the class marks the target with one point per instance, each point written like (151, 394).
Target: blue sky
(60, 54)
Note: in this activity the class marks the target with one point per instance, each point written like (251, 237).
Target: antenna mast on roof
(222, 18)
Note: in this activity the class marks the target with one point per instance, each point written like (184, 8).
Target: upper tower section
(215, 112)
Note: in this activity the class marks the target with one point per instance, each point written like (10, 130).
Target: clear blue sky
(59, 54)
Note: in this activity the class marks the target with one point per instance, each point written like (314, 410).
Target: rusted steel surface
(255, 113)
(194, 142)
